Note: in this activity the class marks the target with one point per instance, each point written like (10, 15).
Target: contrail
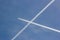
(33, 19)
(40, 25)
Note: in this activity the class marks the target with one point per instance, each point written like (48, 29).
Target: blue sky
(10, 10)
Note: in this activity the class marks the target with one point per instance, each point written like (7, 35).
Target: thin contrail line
(32, 20)
(43, 26)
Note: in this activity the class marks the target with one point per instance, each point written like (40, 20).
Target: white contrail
(40, 25)
(33, 19)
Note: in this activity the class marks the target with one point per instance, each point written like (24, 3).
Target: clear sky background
(10, 10)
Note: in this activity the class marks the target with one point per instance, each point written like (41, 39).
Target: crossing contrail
(32, 20)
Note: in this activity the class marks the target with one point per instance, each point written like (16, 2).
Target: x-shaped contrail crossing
(31, 22)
